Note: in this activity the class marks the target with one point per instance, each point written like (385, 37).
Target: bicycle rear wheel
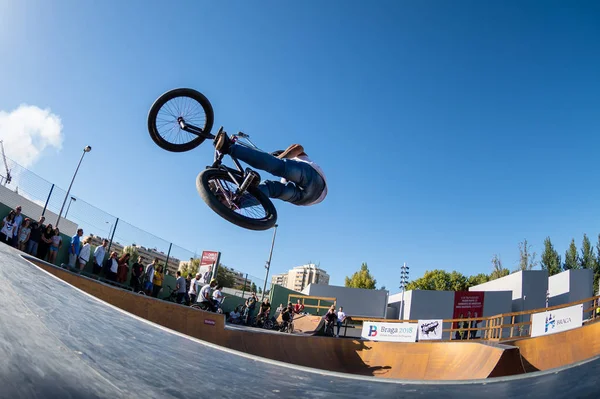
(215, 186)
(177, 105)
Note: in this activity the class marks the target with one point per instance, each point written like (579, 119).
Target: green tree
(253, 287)
(497, 269)
(189, 268)
(439, 280)
(478, 279)
(361, 279)
(526, 257)
(132, 251)
(458, 282)
(550, 258)
(225, 277)
(588, 258)
(571, 257)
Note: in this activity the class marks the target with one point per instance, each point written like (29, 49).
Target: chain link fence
(39, 197)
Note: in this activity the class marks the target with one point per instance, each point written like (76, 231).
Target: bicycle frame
(238, 175)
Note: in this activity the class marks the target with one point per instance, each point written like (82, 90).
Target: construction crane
(8, 177)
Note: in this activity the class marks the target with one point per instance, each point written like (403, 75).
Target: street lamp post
(268, 265)
(403, 283)
(86, 149)
(69, 206)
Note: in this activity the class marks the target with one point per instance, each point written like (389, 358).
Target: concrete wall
(570, 286)
(356, 301)
(528, 289)
(34, 210)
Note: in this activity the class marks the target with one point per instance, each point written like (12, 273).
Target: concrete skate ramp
(57, 341)
(423, 361)
(556, 350)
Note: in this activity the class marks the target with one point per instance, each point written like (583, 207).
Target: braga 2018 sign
(393, 332)
(558, 320)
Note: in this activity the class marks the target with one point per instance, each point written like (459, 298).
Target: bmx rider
(303, 181)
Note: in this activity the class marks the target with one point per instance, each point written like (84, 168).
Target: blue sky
(449, 131)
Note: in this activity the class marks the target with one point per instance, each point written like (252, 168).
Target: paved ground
(58, 342)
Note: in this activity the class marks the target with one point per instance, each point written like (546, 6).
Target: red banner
(208, 258)
(468, 304)
(208, 265)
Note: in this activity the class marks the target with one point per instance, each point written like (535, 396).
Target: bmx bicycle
(180, 120)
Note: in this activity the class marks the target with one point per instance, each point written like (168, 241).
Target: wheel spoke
(167, 125)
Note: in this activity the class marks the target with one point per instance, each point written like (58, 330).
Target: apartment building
(300, 277)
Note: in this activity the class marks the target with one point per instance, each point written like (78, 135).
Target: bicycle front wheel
(173, 107)
(217, 188)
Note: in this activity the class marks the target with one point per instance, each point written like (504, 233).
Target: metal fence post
(48, 199)
(244, 289)
(112, 235)
(167, 262)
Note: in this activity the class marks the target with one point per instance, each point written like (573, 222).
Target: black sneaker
(222, 143)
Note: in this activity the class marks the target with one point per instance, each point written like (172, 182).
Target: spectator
(205, 297)
(341, 316)
(8, 225)
(99, 255)
(84, 253)
(188, 281)
(44, 245)
(55, 244)
(24, 235)
(234, 316)
(17, 227)
(217, 296)
(299, 307)
(157, 281)
(123, 268)
(37, 228)
(250, 305)
(194, 288)
(278, 310)
(330, 320)
(137, 272)
(265, 308)
(180, 287)
(111, 266)
(149, 276)
(459, 333)
(75, 247)
(287, 316)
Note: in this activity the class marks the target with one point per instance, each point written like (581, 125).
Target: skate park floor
(60, 342)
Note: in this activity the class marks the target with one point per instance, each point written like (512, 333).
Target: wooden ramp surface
(414, 361)
(560, 349)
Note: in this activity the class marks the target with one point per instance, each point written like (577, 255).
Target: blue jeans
(304, 185)
(32, 247)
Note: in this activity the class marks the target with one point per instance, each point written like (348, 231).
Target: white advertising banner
(558, 320)
(430, 329)
(392, 332)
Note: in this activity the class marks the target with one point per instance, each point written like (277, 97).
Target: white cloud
(29, 130)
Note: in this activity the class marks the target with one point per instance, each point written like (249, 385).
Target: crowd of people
(45, 242)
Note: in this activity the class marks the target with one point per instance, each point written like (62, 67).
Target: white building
(300, 277)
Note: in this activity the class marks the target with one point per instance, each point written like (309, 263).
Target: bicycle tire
(264, 223)
(161, 101)
(268, 325)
